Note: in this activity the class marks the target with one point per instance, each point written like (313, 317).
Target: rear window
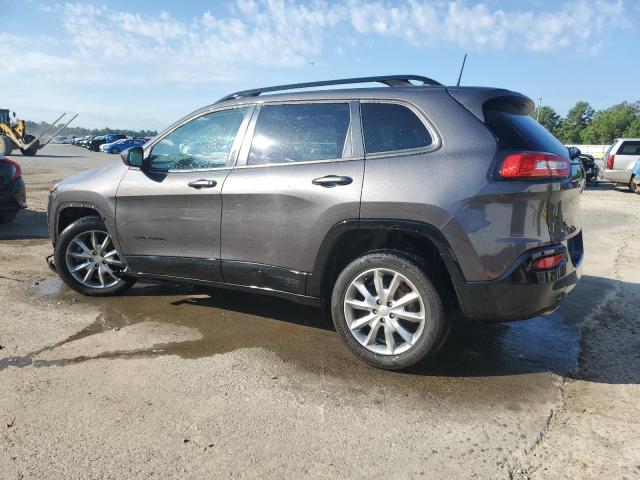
(390, 127)
(521, 132)
(629, 148)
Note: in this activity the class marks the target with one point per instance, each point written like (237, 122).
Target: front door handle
(203, 184)
(332, 181)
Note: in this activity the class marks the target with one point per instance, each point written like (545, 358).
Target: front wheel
(388, 311)
(87, 260)
(33, 149)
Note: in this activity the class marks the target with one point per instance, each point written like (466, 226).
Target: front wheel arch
(66, 215)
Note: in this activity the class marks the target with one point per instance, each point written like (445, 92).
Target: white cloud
(104, 45)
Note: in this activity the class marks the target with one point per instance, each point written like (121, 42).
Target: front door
(168, 215)
(297, 177)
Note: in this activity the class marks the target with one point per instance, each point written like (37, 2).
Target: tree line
(584, 125)
(34, 128)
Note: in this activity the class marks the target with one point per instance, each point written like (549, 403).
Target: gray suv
(395, 205)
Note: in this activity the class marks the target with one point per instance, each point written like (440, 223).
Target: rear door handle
(204, 183)
(332, 181)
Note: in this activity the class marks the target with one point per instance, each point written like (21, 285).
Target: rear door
(297, 176)
(168, 216)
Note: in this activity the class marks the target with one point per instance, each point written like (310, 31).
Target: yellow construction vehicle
(14, 135)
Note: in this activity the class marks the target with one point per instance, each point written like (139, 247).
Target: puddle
(304, 336)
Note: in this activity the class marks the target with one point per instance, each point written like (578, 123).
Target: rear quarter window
(390, 127)
(521, 132)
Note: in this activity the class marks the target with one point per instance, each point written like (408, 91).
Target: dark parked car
(394, 205)
(110, 138)
(84, 141)
(12, 190)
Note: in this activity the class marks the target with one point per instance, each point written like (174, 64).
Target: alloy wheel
(384, 311)
(93, 261)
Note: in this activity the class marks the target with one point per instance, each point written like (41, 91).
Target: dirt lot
(178, 382)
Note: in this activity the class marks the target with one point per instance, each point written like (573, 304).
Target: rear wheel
(388, 311)
(87, 261)
(33, 149)
(632, 184)
(6, 145)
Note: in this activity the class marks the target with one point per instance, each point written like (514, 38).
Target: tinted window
(388, 127)
(204, 142)
(300, 133)
(629, 148)
(522, 132)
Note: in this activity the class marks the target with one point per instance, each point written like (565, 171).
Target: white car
(619, 160)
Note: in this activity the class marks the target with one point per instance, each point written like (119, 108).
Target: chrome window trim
(435, 135)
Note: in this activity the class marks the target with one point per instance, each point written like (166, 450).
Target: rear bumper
(521, 292)
(617, 176)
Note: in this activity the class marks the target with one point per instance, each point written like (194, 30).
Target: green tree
(548, 118)
(618, 121)
(34, 128)
(578, 118)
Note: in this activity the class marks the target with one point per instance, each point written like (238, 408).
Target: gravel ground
(179, 382)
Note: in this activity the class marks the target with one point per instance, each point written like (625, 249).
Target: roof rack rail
(389, 80)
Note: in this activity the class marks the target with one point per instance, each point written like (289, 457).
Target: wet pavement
(304, 336)
(177, 381)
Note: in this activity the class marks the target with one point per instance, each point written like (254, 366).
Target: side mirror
(133, 157)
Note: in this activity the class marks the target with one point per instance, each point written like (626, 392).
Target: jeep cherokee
(393, 204)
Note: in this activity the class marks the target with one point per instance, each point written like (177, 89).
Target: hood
(109, 172)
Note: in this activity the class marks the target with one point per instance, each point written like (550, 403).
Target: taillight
(16, 171)
(610, 160)
(534, 165)
(547, 263)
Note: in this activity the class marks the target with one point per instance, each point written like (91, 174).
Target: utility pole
(539, 107)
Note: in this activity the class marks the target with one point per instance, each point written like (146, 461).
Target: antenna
(464, 60)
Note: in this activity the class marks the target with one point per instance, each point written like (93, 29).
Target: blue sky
(137, 64)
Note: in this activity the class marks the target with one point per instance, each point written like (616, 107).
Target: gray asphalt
(182, 382)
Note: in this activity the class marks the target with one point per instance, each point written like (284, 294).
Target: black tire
(632, 185)
(6, 145)
(115, 150)
(8, 217)
(33, 149)
(436, 325)
(84, 224)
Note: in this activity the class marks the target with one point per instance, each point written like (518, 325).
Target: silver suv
(619, 160)
(396, 205)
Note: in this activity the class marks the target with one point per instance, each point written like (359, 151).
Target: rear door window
(390, 127)
(522, 132)
(301, 133)
(629, 147)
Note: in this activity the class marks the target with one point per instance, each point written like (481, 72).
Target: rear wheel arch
(351, 239)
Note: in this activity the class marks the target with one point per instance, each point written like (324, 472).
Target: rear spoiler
(476, 99)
